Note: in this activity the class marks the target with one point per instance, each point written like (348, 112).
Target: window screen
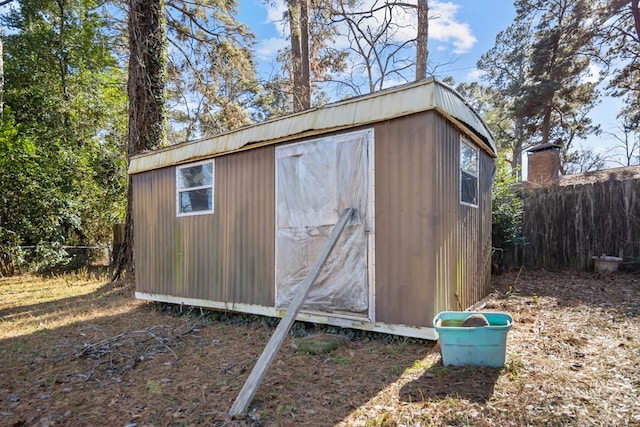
(468, 173)
(194, 188)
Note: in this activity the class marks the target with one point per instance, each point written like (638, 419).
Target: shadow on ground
(149, 365)
(475, 384)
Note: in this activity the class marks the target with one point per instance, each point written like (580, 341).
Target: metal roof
(395, 102)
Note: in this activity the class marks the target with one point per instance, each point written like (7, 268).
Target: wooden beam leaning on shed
(260, 369)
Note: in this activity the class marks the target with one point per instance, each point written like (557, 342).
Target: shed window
(194, 188)
(468, 173)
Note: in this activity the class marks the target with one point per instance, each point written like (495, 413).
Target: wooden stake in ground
(259, 370)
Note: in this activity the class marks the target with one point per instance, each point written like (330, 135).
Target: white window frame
(475, 174)
(199, 187)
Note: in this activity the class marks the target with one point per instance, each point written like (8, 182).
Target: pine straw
(572, 359)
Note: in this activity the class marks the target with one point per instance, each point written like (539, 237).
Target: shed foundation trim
(341, 322)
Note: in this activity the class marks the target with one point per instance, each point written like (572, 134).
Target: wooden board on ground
(259, 370)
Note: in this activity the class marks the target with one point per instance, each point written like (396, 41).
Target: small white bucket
(606, 264)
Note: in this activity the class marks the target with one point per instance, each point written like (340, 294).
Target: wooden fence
(565, 225)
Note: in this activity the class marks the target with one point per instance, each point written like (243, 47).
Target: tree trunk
(635, 11)
(298, 27)
(305, 83)
(145, 87)
(146, 75)
(296, 55)
(546, 124)
(422, 40)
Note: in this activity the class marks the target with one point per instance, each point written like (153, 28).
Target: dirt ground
(96, 356)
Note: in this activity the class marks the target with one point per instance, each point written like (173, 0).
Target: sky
(461, 32)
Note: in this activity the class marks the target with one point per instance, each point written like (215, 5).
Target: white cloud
(446, 32)
(475, 75)
(444, 27)
(593, 75)
(443, 23)
(268, 48)
(275, 12)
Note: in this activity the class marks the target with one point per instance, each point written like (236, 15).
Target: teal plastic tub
(474, 346)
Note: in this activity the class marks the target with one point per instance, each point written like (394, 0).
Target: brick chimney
(544, 163)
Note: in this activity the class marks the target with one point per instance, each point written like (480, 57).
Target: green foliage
(397, 370)
(63, 165)
(35, 207)
(287, 410)
(507, 209)
(273, 100)
(513, 368)
(443, 372)
(11, 254)
(32, 203)
(154, 387)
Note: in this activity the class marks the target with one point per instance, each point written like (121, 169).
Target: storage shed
(235, 222)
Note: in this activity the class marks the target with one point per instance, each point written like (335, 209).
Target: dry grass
(30, 303)
(76, 350)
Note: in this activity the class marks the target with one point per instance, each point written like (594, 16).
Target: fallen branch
(134, 346)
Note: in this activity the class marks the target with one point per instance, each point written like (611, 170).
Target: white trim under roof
(375, 107)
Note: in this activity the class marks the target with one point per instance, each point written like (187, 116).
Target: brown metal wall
(209, 256)
(406, 219)
(250, 213)
(431, 252)
(473, 232)
(154, 232)
(199, 238)
(449, 251)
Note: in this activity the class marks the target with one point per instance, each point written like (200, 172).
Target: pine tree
(620, 23)
(541, 65)
(147, 53)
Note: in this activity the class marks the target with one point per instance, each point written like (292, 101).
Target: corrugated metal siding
(154, 232)
(405, 220)
(225, 256)
(488, 169)
(448, 253)
(250, 213)
(201, 239)
(431, 251)
(175, 256)
(429, 248)
(473, 271)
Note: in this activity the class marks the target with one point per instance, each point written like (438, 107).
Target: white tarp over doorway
(315, 181)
